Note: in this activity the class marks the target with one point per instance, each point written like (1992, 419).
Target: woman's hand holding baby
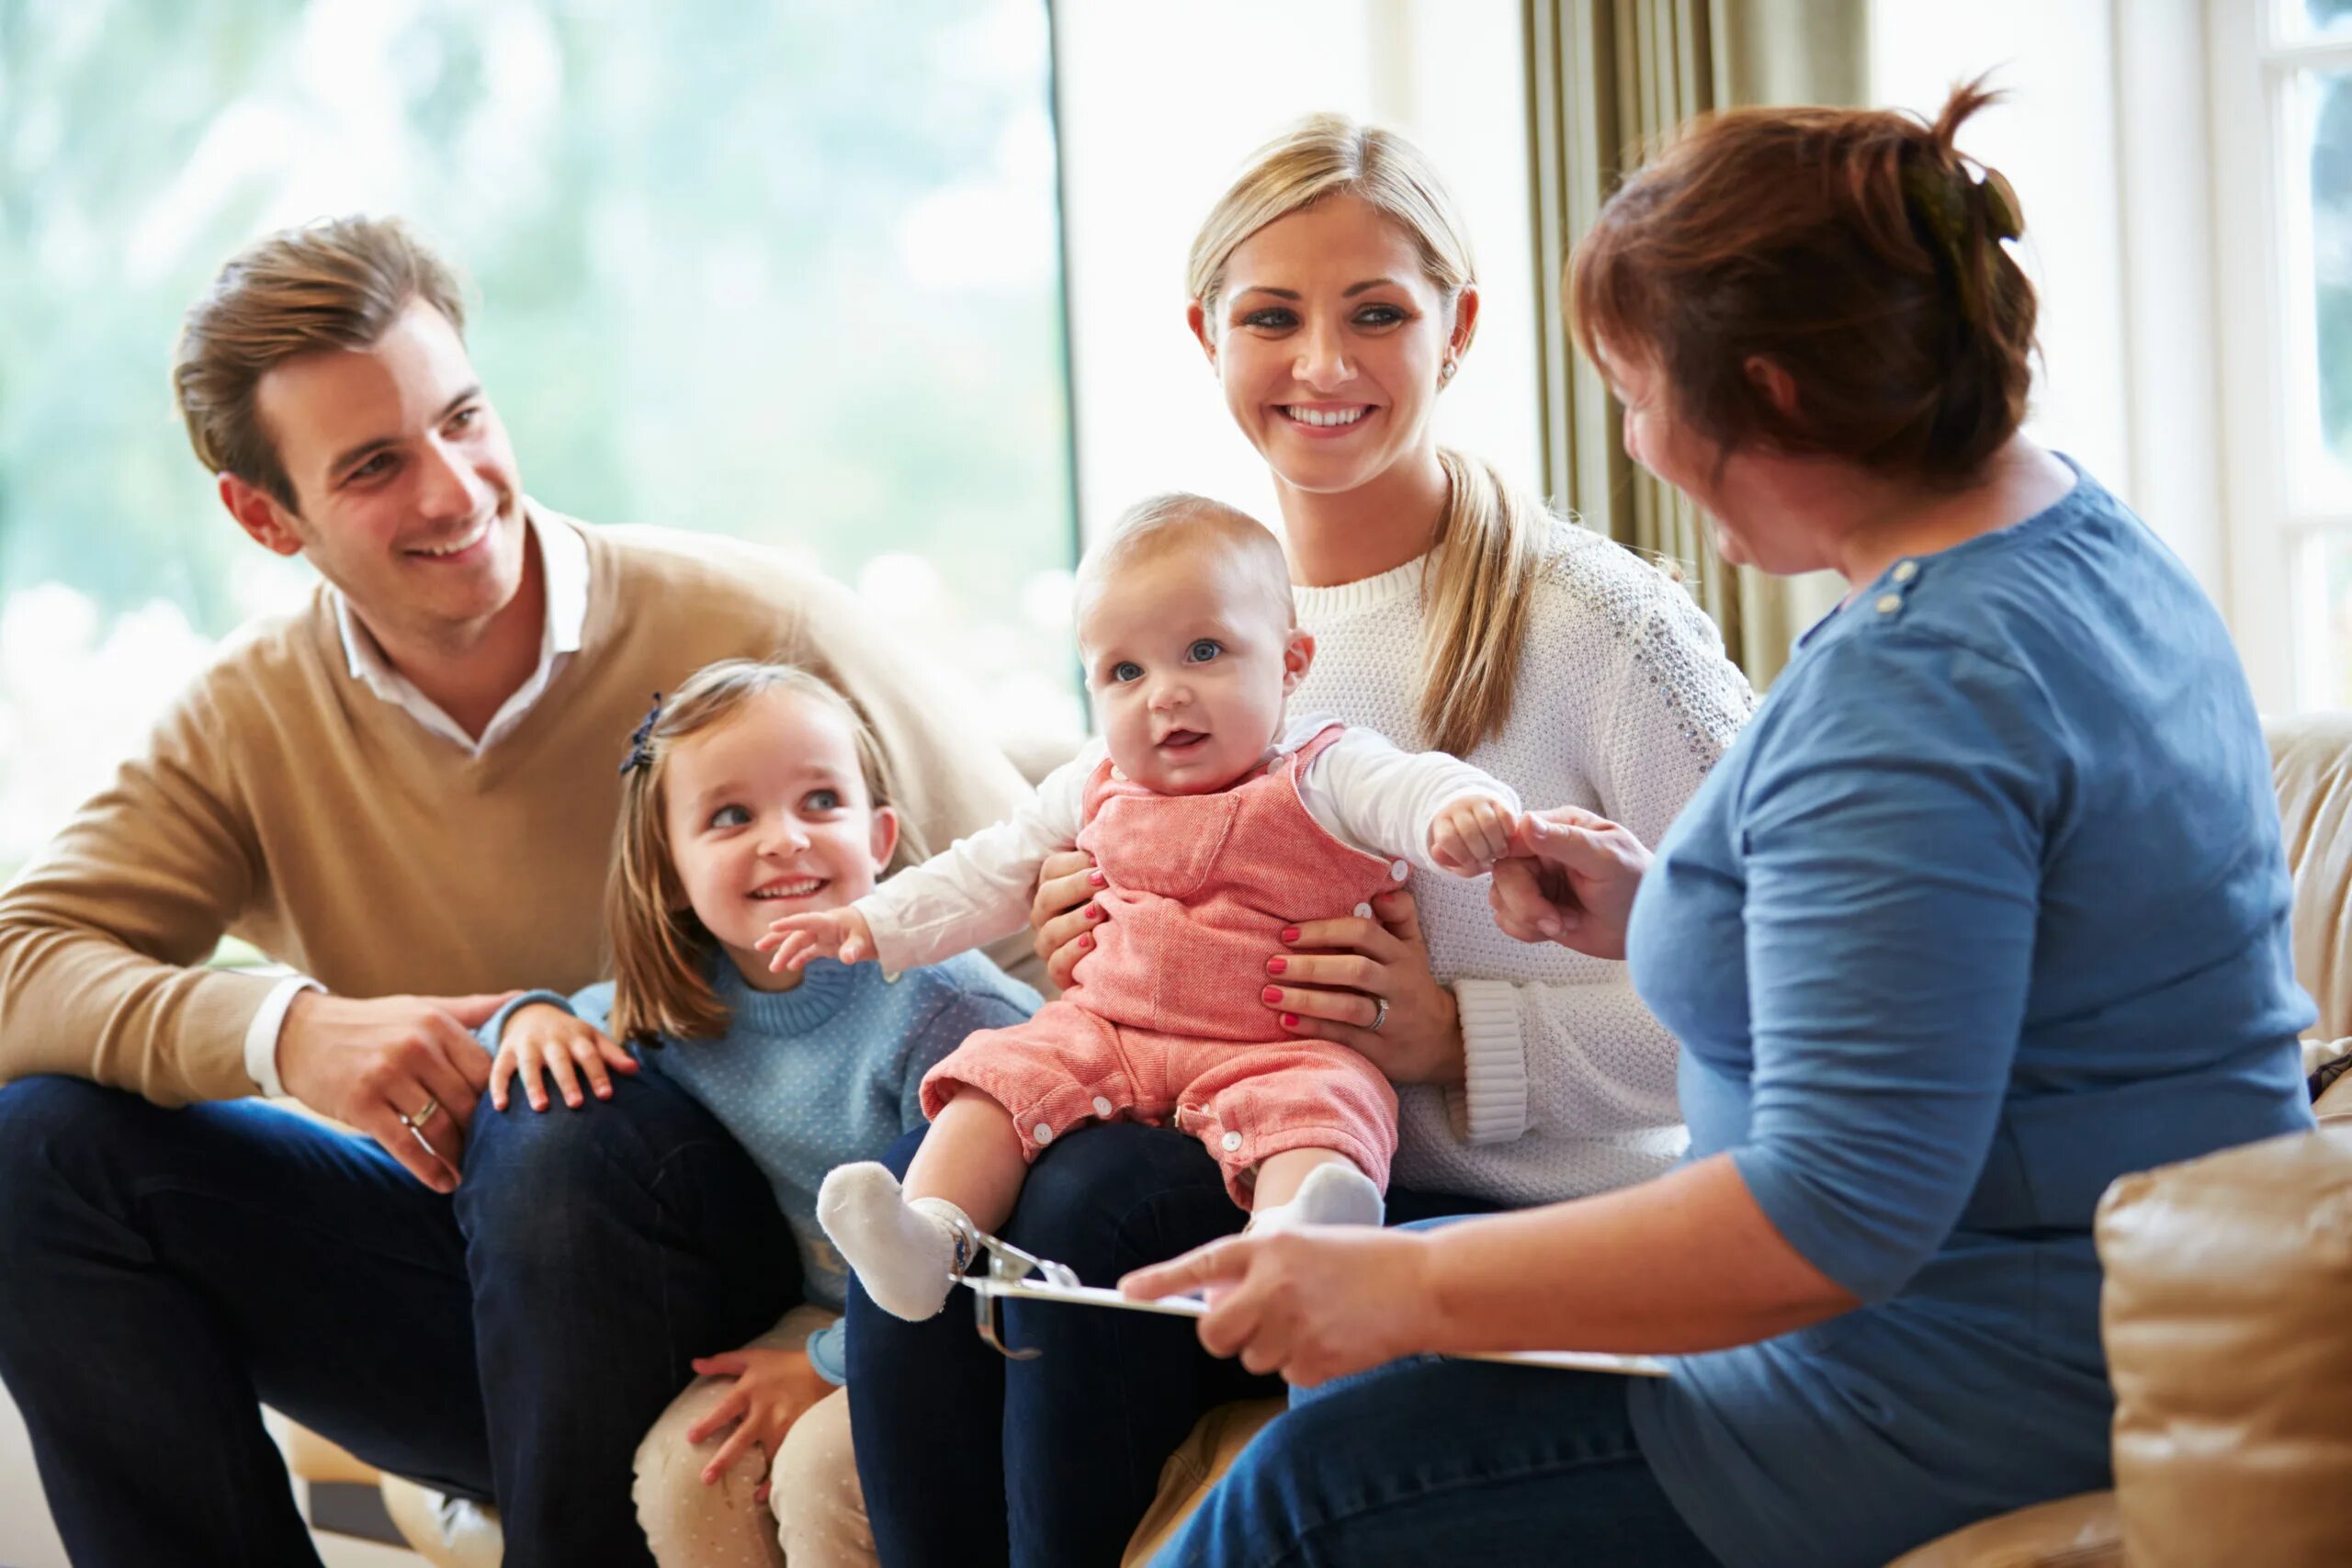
(793, 941)
(1470, 834)
(773, 1389)
(542, 1038)
(1339, 976)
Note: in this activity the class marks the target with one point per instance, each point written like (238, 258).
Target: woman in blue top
(1987, 908)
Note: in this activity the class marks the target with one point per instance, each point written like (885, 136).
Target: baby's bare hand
(1470, 835)
(792, 942)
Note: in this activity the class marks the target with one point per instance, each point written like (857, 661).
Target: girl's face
(1329, 339)
(768, 815)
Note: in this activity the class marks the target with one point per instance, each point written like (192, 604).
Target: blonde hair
(1181, 520)
(1492, 533)
(661, 950)
(337, 284)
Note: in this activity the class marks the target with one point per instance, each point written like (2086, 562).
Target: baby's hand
(1470, 834)
(793, 941)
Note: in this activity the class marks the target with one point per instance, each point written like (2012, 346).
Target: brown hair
(1179, 519)
(660, 951)
(1492, 533)
(337, 284)
(1856, 250)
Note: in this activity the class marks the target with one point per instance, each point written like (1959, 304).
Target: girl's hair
(1856, 250)
(660, 951)
(1492, 533)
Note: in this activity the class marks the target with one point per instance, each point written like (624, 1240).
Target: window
(2282, 97)
(788, 272)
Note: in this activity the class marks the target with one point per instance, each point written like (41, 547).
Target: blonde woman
(1334, 298)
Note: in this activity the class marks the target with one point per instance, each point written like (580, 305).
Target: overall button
(1398, 870)
(1042, 1132)
(1102, 1106)
(1363, 911)
(1231, 1141)
(1906, 570)
(1889, 603)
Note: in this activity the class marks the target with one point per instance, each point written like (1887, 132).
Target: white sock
(1333, 1195)
(904, 1251)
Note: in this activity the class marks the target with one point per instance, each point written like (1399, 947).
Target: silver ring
(431, 1108)
(1379, 1014)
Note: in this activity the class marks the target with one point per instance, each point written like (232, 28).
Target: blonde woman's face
(1329, 340)
(768, 816)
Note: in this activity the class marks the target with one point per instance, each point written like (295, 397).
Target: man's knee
(523, 1165)
(45, 1124)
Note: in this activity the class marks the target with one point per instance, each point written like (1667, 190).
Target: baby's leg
(1313, 1187)
(909, 1245)
(687, 1524)
(814, 1493)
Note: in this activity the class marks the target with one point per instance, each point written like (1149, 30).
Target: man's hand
(793, 941)
(773, 1389)
(369, 1062)
(543, 1038)
(1470, 834)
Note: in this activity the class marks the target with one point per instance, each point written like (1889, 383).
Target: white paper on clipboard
(1193, 1306)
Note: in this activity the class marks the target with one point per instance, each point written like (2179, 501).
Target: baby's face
(1190, 662)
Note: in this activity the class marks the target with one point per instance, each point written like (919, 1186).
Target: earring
(1445, 372)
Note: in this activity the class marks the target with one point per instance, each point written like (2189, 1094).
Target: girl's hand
(1571, 878)
(1471, 834)
(546, 1039)
(1064, 913)
(1312, 1304)
(793, 941)
(1328, 982)
(772, 1388)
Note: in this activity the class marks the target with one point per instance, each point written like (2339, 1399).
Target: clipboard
(1058, 1283)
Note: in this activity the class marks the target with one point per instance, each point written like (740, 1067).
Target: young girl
(757, 791)
(1217, 822)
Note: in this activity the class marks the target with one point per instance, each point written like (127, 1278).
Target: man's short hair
(340, 283)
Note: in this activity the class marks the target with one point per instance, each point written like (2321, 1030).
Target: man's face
(405, 494)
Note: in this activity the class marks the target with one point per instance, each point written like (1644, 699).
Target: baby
(1214, 822)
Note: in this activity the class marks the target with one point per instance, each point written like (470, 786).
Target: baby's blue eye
(1127, 670)
(730, 816)
(822, 800)
(1203, 650)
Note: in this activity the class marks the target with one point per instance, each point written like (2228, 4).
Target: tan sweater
(282, 801)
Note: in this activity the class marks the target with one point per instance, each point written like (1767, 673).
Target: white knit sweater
(1624, 701)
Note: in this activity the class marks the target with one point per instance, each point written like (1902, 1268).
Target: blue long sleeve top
(1987, 908)
(819, 1076)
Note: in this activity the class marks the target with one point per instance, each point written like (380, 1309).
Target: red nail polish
(1097, 878)
(1276, 966)
(1094, 911)
(1290, 933)
(1290, 1021)
(1086, 941)
(1273, 993)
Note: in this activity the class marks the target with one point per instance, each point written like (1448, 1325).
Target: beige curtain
(1606, 78)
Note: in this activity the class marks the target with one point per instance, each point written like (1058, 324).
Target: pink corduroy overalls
(1164, 1022)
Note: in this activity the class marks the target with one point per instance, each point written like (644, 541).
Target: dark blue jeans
(969, 1459)
(1427, 1461)
(162, 1270)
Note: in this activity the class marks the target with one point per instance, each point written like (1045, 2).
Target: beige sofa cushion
(2311, 766)
(2229, 1283)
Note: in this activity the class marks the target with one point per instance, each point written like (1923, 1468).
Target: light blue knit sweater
(820, 1075)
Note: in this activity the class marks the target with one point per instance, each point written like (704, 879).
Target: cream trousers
(814, 1515)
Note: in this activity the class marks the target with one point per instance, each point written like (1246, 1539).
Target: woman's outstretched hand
(1571, 878)
(1312, 1304)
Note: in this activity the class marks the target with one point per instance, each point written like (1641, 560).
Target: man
(405, 791)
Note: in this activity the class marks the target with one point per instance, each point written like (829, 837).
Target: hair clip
(640, 743)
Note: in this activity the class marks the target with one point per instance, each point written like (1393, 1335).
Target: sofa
(2227, 1317)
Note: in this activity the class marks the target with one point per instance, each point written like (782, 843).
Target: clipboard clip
(1008, 1264)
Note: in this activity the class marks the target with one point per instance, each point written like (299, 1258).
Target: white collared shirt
(563, 572)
